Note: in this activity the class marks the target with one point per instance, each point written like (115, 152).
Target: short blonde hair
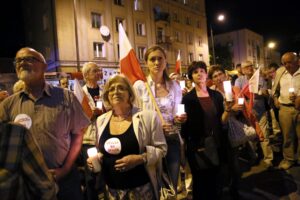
(87, 67)
(119, 78)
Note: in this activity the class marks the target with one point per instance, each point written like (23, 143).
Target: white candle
(228, 91)
(241, 101)
(180, 110)
(99, 104)
(291, 90)
(182, 84)
(93, 154)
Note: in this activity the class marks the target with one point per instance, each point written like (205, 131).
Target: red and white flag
(82, 98)
(129, 63)
(178, 64)
(254, 82)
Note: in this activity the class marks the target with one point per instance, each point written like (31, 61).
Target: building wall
(68, 51)
(244, 44)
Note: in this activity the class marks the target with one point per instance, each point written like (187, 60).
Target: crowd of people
(46, 136)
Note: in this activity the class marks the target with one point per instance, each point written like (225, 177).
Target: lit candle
(93, 154)
(182, 84)
(99, 104)
(228, 91)
(291, 90)
(241, 101)
(180, 110)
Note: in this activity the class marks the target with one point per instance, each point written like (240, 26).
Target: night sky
(275, 20)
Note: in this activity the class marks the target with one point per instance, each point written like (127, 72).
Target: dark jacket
(193, 130)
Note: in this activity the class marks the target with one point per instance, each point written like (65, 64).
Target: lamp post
(271, 46)
(220, 18)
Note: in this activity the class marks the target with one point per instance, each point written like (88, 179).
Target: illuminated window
(99, 51)
(140, 29)
(141, 51)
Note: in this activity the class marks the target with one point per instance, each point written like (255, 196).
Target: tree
(224, 56)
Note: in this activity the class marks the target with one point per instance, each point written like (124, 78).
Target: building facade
(67, 31)
(244, 45)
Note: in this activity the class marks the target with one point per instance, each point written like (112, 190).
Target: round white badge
(24, 120)
(113, 146)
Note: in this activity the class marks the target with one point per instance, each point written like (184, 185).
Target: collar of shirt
(46, 90)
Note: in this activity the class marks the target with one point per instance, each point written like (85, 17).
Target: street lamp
(220, 18)
(271, 45)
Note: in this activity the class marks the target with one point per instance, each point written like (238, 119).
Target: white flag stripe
(254, 82)
(124, 44)
(78, 91)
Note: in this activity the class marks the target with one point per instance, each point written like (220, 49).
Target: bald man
(286, 78)
(53, 115)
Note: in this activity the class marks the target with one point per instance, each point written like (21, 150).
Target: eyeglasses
(120, 88)
(28, 59)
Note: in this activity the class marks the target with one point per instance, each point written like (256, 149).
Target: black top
(210, 114)
(94, 92)
(132, 178)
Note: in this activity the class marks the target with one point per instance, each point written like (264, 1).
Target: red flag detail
(82, 98)
(130, 67)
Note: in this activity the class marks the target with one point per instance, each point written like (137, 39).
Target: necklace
(122, 117)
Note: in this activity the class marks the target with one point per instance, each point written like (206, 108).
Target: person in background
(218, 76)
(18, 86)
(91, 74)
(205, 115)
(238, 68)
(53, 115)
(131, 143)
(3, 93)
(288, 77)
(167, 95)
(259, 110)
(64, 82)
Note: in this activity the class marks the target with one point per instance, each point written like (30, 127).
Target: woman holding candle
(167, 95)
(131, 143)
(205, 115)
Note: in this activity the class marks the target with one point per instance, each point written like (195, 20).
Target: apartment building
(244, 45)
(67, 31)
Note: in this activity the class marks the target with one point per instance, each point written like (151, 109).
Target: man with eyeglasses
(53, 115)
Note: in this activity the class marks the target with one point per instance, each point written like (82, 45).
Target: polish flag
(82, 98)
(129, 63)
(254, 82)
(178, 64)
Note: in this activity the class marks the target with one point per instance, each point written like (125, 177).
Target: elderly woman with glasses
(131, 143)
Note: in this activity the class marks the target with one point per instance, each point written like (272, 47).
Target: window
(99, 51)
(188, 21)
(160, 35)
(191, 57)
(119, 2)
(138, 5)
(96, 20)
(200, 57)
(177, 36)
(141, 52)
(140, 29)
(118, 21)
(189, 38)
(175, 17)
(200, 42)
(198, 24)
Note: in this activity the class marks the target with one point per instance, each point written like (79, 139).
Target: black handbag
(207, 156)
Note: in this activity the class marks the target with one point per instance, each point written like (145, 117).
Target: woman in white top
(167, 95)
